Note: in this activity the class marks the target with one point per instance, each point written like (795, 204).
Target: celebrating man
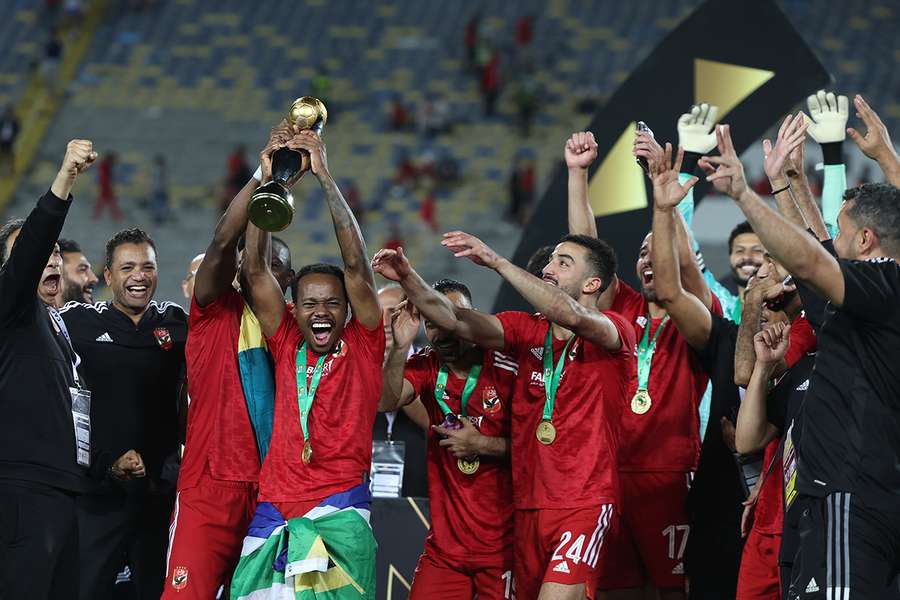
(574, 365)
(78, 278)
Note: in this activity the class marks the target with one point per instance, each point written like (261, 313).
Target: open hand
(695, 128)
(829, 117)
(790, 136)
(404, 324)
(468, 246)
(391, 264)
(725, 171)
(876, 143)
(667, 190)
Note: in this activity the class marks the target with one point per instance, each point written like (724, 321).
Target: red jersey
(802, 341)
(578, 470)
(667, 438)
(471, 515)
(219, 432)
(340, 420)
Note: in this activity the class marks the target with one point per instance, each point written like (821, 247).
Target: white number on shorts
(509, 586)
(672, 533)
(563, 540)
(574, 551)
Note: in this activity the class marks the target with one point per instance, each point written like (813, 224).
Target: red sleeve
(628, 302)
(418, 372)
(715, 307)
(201, 316)
(802, 341)
(516, 326)
(286, 337)
(371, 341)
(626, 333)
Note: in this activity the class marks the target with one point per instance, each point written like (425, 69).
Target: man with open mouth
(132, 351)
(313, 482)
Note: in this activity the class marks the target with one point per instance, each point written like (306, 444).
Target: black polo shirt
(135, 373)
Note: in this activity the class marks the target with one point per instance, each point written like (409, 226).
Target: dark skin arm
(265, 293)
(358, 275)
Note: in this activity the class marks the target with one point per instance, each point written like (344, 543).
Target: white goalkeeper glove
(695, 128)
(829, 117)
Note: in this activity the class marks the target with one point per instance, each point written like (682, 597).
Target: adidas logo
(803, 386)
(538, 353)
(679, 569)
(812, 586)
(104, 338)
(562, 567)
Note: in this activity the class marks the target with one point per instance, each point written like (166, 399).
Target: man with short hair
(467, 393)
(47, 451)
(574, 364)
(313, 493)
(132, 355)
(187, 285)
(848, 479)
(77, 276)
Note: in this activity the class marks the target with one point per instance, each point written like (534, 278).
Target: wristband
(689, 162)
(832, 153)
(258, 174)
(779, 190)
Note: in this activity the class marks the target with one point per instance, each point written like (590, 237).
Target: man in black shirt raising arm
(44, 406)
(849, 453)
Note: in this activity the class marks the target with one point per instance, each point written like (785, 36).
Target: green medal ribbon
(305, 397)
(552, 375)
(441, 384)
(645, 353)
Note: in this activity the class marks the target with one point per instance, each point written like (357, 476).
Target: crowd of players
(687, 439)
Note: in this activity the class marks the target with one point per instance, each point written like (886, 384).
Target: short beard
(649, 295)
(72, 292)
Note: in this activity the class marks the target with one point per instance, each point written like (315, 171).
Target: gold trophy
(271, 207)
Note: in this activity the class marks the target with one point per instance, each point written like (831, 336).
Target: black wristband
(689, 162)
(779, 190)
(833, 153)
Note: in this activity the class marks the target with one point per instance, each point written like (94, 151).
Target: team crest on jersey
(163, 338)
(490, 400)
(641, 321)
(538, 352)
(179, 578)
(340, 350)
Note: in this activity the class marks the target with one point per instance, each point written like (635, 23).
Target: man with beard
(132, 352)
(313, 495)
(78, 278)
(848, 479)
(232, 390)
(467, 393)
(659, 443)
(46, 449)
(574, 366)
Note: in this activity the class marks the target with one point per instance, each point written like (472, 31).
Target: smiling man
(132, 352)
(77, 276)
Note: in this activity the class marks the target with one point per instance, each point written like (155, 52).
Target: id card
(387, 468)
(81, 416)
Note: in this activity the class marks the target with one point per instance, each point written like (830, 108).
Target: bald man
(187, 286)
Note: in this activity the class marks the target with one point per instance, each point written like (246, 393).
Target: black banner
(744, 56)
(400, 526)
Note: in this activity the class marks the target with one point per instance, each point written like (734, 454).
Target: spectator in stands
(526, 95)
(321, 88)
(521, 190)
(9, 131)
(524, 30)
(490, 82)
(395, 240)
(428, 211)
(78, 278)
(53, 51)
(400, 117)
(159, 195)
(106, 196)
(238, 172)
(471, 40)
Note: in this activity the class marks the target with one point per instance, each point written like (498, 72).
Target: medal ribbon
(305, 397)
(551, 375)
(645, 353)
(441, 384)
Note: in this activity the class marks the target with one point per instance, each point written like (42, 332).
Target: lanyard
(551, 375)
(305, 397)
(645, 353)
(441, 384)
(61, 325)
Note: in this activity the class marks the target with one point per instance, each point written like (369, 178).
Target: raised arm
(829, 129)
(219, 264)
(753, 430)
(775, 159)
(480, 328)
(762, 288)
(395, 390)
(21, 272)
(876, 144)
(358, 275)
(801, 254)
(555, 304)
(580, 152)
(265, 294)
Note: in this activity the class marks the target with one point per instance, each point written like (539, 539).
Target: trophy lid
(308, 112)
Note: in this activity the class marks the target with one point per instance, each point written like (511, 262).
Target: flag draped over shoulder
(257, 379)
(327, 554)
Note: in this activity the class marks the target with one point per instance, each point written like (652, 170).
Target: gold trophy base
(271, 207)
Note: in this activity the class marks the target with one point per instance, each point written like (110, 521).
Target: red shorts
(559, 546)
(648, 542)
(208, 527)
(759, 578)
(437, 577)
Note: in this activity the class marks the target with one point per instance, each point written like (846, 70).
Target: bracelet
(784, 189)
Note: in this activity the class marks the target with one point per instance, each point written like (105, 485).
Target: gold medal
(468, 467)
(640, 403)
(546, 432)
(307, 453)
